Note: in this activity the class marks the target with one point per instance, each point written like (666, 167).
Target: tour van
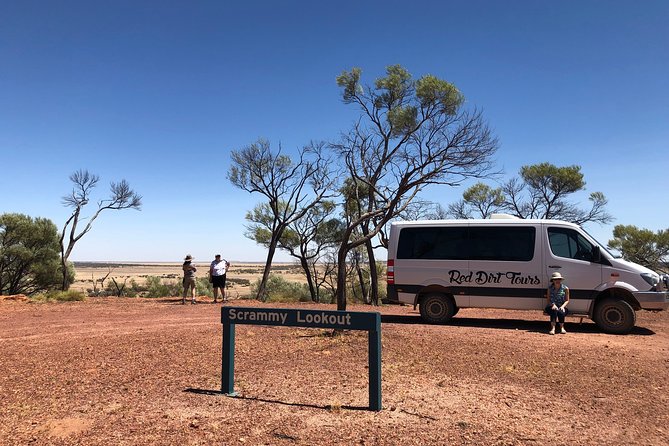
(506, 262)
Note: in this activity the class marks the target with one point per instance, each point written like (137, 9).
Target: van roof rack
(503, 217)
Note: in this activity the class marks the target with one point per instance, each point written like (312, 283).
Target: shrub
(237, 281)
(61, 296)
(29, 255)
(279, 289)
(203, 287)
(156, 288)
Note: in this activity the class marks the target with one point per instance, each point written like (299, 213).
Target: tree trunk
(361, 280)
(310, 279)
(341, 277)
(63, 265)
(261, 296)
(276, 235)
(373, 274)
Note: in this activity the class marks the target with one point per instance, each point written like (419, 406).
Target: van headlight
(651, 279)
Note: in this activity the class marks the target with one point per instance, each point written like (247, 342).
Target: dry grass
(87, 272)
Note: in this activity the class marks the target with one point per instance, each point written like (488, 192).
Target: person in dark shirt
(557, 297)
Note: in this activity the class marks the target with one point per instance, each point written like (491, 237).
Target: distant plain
(88, 272)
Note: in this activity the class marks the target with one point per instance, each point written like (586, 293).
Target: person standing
(558, 299)
(189, 279)
(217, 271)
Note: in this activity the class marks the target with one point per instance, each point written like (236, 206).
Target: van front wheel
(437, 308)
(615, 316)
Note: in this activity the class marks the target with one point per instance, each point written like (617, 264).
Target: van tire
(614, 316)
(437, 308)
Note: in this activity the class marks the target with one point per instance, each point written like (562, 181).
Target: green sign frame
(290, 317)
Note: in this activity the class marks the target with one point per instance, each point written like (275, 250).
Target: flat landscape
(135, 371)
(88, 272)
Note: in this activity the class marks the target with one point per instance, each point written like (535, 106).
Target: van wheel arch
(615, 294)
(437, 307)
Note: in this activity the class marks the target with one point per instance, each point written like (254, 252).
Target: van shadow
(572, 325)
(267, 400)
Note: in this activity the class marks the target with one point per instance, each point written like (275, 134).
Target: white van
(504, 262)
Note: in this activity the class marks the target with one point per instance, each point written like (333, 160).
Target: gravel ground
(148, 372)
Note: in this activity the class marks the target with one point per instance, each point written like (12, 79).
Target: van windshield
(602, 247)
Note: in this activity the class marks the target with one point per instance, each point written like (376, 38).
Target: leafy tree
(410, 134)
(291, 188)
(120, 197)
(642, 246)
(542, 191)
(29, 260)
(306, 239)
(480, 199)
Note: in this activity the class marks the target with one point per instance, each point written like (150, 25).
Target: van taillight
(391, 272)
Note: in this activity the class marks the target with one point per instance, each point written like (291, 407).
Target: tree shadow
(327, 407)
(572, 324)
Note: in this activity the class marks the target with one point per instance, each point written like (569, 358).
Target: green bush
(29, 255)
(61, 296)
(203, 287)
(279, 289)
(156, 288)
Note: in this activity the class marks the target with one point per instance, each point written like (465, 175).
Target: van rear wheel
(615, 316)
(437, 308)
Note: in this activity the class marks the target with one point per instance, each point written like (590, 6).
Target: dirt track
(140, 372)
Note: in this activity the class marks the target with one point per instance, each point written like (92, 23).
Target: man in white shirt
(217, 270)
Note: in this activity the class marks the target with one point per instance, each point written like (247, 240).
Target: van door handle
(555, 266)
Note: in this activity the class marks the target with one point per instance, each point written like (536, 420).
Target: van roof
(483, 222)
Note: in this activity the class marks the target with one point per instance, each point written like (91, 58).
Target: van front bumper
(653, 300)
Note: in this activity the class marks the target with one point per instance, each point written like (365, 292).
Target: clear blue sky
(160, 92)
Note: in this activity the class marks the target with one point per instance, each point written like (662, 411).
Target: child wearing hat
(558, 298)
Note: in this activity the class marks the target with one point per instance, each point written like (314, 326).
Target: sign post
(285, 317)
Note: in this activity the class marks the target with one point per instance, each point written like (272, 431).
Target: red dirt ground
(148, 372)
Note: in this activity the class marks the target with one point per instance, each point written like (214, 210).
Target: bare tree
(121, 197)
(120, 287)
(291, 188)
(410, 134)
(101, 281)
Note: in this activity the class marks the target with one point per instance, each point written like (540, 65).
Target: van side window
(511, 244)
(433, 243)
(506, 244)
(570, 244)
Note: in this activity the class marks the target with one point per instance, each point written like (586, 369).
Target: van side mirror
(596, 254)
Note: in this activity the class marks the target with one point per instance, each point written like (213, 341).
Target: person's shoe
(193, 302)
(552, 332)
(215, 301)
(183, 301)
(563, 331)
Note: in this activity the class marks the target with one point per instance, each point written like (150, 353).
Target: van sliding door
(505, 263)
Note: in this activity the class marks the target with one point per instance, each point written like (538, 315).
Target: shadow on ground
(210, 392)
(572, 325)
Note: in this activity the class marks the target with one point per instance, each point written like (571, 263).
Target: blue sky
(160, 92)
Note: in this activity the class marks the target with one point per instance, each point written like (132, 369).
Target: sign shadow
(327, 407)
